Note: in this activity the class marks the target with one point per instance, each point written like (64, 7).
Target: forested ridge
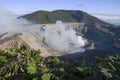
(45, 17)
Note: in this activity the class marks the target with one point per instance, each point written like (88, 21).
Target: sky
(94, 7)
(90, 6)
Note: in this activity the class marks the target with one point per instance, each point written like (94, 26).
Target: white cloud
(80, 5)
(108, 18)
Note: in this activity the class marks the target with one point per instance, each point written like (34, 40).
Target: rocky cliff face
(9, 40)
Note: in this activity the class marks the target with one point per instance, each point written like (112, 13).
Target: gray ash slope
(103, 37)
(105, 40)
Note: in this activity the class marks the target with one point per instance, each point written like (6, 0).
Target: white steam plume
(64, 40)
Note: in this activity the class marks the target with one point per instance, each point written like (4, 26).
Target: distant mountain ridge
(45, 17)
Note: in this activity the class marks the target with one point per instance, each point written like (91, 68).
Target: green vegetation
(27, 64)
(44, 17)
